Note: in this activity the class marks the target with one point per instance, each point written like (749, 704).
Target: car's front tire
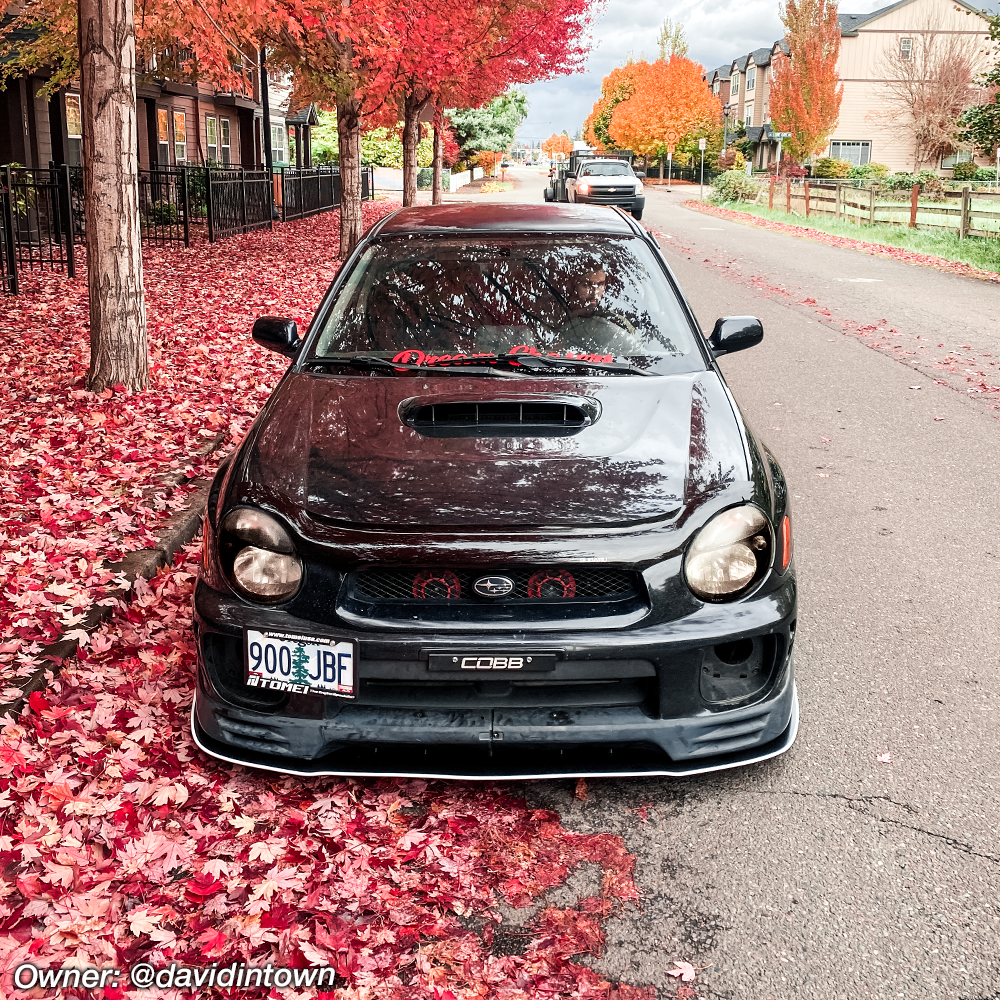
(547, 194)
(637, 214)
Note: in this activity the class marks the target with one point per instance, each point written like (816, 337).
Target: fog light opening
(736, 652)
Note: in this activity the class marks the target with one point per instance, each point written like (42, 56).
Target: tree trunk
(349, 142)
(413, 108)
(118, 349)
(438, 155)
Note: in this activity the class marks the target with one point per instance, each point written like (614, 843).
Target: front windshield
(606, 170)
(434, 300)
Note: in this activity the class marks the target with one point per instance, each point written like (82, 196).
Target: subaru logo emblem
(493, 586)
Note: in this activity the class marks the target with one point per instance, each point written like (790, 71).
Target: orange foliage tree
(669, 96)
(557, 144)
(617, 86)
(805, 95)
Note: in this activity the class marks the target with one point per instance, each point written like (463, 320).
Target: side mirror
(277, 334)
(571, 174)
(641, 174)
(735, 333)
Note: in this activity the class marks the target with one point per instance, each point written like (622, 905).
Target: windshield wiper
(538, 361)
(371, 361)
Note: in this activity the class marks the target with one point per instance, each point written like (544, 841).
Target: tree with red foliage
(668, 95)
(805, 95)
(466, 55)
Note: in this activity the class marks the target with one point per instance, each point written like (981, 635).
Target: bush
(869, 171)
(901, 181)
(733, 185)
(987, 174)
(161, 213)
(732, 159)
(964, 171)
(931, 185)
(827, 167)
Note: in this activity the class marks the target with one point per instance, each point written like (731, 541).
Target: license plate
(301, 664)
(497, 661)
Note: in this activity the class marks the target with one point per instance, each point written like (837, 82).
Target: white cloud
(718, 31)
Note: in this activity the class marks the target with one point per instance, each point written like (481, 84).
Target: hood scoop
(502, 418)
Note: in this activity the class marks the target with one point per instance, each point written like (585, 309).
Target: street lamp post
(726, 111)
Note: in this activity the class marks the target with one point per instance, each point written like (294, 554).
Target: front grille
(531, 584)
(507, 418)
(612, 197)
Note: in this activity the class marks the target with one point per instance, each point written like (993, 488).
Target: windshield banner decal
(416, 357)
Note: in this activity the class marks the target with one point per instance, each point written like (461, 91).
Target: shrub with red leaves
(121, 842)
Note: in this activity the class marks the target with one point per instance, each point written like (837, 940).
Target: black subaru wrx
(500, 518)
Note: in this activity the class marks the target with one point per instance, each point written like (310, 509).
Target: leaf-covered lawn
(975, 257)
(121, 842)
(86, 479)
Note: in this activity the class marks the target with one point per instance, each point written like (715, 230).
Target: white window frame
(962, 156)
(163, 135)
(906, 49)
(751, 78)
(859, 151)
(225, 142)
(734, 84)
(180, 145)
(212, 138)
(748, 118)
(279, 144)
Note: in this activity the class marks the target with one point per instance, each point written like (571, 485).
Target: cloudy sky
(717, 30)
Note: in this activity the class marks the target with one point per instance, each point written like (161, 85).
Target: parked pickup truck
(590, 180)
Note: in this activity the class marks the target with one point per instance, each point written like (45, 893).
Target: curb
(178, 530)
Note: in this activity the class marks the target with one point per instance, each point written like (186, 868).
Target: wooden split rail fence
(972, 213)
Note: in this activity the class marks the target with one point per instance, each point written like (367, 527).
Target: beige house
(878, 51)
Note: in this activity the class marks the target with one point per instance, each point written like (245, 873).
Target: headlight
(583, 189)
(638, 189)
(258, 556)
(729, 555)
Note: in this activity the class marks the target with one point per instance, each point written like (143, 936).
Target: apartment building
(871, 50)
(179, 121)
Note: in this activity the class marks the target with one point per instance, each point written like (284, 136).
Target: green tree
(672, 40)
(300, 661)
(979, 126)
(490, 128)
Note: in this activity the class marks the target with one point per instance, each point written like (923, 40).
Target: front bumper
(624, 702)
(630, 203)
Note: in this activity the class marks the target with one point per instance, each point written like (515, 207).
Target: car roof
(494, 217)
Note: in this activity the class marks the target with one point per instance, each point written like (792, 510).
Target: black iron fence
(42, 214)
(37, 222)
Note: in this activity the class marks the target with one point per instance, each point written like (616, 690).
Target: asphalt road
(826, 873)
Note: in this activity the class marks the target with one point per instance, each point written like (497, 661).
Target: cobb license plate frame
(479, 662)
(334, 660)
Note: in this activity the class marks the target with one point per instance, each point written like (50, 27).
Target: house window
(906, 49)
(163, 134)
(715, 88)
(734, 84)
(278, 145)
(74, 130)
(180, 138)
(962, 156)
(212, 134)
(751, 78)
(225, 148)
(748, 119)
(858, 153)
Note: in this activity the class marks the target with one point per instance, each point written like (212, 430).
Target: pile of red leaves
(121, 842)
(845, 242)
(85, 479)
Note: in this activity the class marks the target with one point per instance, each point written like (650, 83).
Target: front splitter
(623, 761)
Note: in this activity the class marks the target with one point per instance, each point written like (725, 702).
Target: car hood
(339, 449)
(623, 181)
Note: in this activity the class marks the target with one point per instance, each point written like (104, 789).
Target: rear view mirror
(735, 333)
(277, 334)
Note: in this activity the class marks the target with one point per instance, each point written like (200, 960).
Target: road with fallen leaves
(865, 862)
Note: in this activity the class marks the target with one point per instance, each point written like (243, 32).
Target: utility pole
(701, 189)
